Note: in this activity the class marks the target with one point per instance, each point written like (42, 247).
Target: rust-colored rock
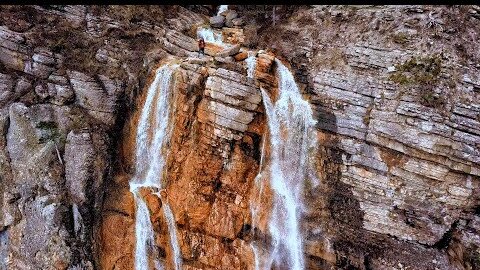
(233, 35)
(240, 56)
(212, 49)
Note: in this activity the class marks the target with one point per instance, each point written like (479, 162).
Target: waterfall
(143, 232)
(221, 9)
(209, 35)
(288, 167)
(153, 133)
(251, 64)
(177, 259)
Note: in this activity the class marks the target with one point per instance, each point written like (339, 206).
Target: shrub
(419, 70)
(424, 73)
(400, 38)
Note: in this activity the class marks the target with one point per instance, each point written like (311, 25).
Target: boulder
(227, 59)
(154, 56)
(240, 56)
(99, 96)
(198, 60)
(182, 41)
(212, 49)
(224, 13)
(13, 52)
(42, 91)
(79, 158)
(217, 21)
(229, 51)
(55, 93)
(42, 63)
(233, 35)
(238, 22)
(6, 87)
(22, 87)
(231, 14)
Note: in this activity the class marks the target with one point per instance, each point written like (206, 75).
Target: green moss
(46, 125)
(399, 78)
(423, 73)
(49, 131)
(420, 69)
(400, 38)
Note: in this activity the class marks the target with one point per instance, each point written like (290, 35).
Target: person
(201, 46)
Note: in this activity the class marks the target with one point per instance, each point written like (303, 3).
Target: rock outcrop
(217, 21)
(60, 113)
(399, 149)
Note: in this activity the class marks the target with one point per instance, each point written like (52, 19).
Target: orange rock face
(212, 49)
(240, 56)
(213, 159)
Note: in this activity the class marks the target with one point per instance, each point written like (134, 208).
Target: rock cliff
(394, 90)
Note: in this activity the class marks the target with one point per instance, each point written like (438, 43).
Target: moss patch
(418, 70)
(49, 130)
(400, 38)
(424, 74)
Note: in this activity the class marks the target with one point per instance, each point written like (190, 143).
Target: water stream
(153, 132)
(291, 141)
(221, 9)
(284, 169)
(177, 258)
(251, 64)
(210, 35)
(143, 232)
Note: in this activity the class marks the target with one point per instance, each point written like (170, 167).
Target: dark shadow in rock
(326, 120)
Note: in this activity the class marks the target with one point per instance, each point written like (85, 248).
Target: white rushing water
(143, 232)
(251, 64)
(210, 35)
(149, 165)
(221, 9)
(177, 259)
(289, 165)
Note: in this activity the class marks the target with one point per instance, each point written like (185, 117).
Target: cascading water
(288, 166)
(149, 164)
(143, 231)
(251, 64)
(209, 35)
(221, 9)
(177, 259)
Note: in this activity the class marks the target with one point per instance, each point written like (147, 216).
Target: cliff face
(396, 95)
(394, 91)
